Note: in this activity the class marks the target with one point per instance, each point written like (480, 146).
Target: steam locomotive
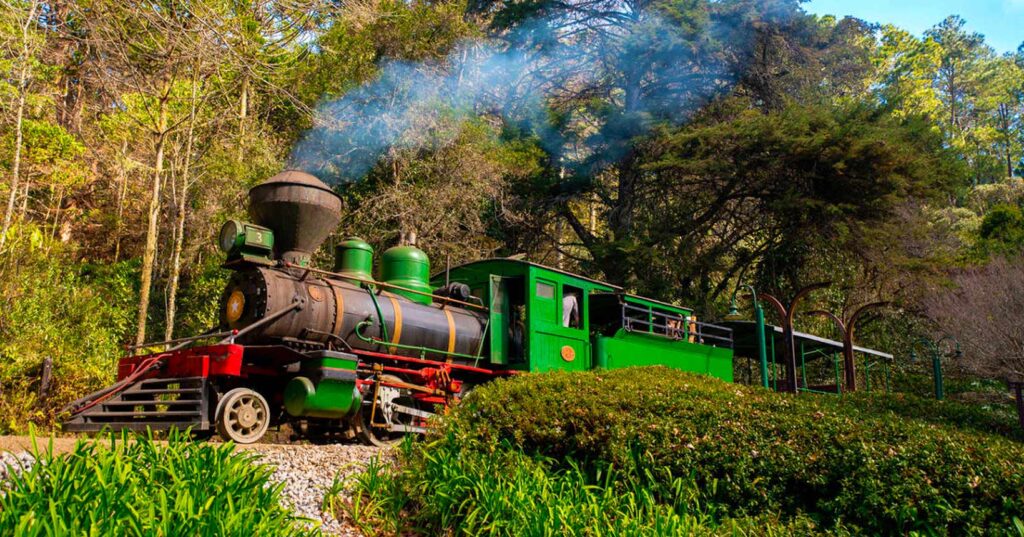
(348, 355)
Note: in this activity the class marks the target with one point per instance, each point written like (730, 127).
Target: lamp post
(935, 347)
(762, 346)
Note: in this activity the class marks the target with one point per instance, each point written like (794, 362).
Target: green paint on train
(545, 319)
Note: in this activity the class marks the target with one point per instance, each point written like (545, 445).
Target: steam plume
(654, 69)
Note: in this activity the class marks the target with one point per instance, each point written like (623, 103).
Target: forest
(678, 148)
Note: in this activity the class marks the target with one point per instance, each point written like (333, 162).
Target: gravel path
(306, 470)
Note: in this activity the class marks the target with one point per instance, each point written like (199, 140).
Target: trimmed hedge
(753, 451)
(1000, 419)
(698, 456)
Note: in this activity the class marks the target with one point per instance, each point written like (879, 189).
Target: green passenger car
(544, 319)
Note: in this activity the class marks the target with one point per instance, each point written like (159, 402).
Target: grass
(658, 452)
(134, 485)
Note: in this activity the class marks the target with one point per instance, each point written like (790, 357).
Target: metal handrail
(681, 331)
(212, 333)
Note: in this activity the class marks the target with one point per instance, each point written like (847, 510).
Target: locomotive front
(275, 297)
(335, 351)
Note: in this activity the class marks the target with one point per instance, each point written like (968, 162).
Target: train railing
(674, 326)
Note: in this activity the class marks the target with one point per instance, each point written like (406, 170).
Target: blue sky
(1001, 21)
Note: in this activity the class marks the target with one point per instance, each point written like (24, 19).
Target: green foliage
(75, 315)
(990, 418)
(452, 486)
(778, 191)
(200, 307)
(138, 486)
(1002, 231)
(451, 187)
(362, 37)
(50, 152)
(843, 463)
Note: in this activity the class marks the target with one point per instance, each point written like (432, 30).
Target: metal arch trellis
(786, 316)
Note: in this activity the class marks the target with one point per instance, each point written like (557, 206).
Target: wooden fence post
(45, 377)
(1018, 392)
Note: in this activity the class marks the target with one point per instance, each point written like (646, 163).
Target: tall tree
(181, 197)
(146, 50)
(1007, 90)
(959, 54)
(906, 73)
(26, 43)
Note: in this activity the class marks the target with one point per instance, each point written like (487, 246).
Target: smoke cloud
(649, 67)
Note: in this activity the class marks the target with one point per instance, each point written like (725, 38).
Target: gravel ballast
(307, 471)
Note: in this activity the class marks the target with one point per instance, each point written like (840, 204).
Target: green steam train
(349, 355)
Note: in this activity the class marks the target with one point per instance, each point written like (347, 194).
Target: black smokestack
(301, 211)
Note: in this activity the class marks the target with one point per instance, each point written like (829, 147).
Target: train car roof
(523, 262)
(745, 341)
(607, 287)
(644, 301)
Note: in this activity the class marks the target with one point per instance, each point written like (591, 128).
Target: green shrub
(1000, 419)
(136, 486)
(446, 487)
(76, 315)
(741, 452)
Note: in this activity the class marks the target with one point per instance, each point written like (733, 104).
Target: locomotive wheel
(243, 415)
(386, 396)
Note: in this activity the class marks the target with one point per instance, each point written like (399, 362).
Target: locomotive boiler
(345, 354)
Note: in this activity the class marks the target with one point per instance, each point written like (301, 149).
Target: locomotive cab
(545, 319)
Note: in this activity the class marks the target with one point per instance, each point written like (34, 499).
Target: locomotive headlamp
(242, 240)
(230, 232)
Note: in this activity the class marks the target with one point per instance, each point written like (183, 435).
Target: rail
(674, 326)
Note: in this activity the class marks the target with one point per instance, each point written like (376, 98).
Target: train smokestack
(301, 211)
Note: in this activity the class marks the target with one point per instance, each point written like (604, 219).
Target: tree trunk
(69, 110)
(1004, 120)
(1018, 393)
(56, 212)
(559, 257)
(24, 199)
(621, 215)
(951, 80)
(1009, 162)
(149, 255)
(19, 123)
(122, 193)
(179, 224)
(243, 113)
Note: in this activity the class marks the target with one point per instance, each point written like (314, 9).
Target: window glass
(545, 290)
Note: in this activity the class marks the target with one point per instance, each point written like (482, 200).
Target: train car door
(559, 332)
(508, 323)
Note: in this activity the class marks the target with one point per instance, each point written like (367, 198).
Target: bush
(76, 315)
(991, 418)
(817, 462)
(442, 488)
(137, 486)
